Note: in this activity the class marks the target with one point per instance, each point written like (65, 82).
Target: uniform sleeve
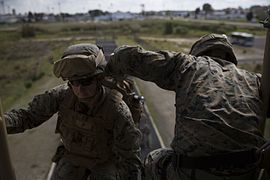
(40, 109)
(158, 67)
(127, 140)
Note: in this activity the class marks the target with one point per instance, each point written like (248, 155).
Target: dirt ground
(31, 151)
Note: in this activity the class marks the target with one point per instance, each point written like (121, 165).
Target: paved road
(254, 54)
(161, 106)
(259, 42)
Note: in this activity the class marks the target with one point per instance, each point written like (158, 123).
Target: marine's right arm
(158, 67)
(40, 109)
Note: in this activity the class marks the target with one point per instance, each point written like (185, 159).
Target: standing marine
(218, 110)
(100, 140)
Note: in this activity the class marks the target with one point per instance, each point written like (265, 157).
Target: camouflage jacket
(126, 137)
(218, 106)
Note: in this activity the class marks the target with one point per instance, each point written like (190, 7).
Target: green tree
(28, 31)
(249, 16)
(227, 10)
(38, 16)
(197, 11)
(207, 8)
(96, 12)
(260, 12)
(168, 28)
(30, 17)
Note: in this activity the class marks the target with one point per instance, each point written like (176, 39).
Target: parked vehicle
(242, 38)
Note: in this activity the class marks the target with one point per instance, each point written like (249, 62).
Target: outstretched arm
(158, 67)
(40, 109)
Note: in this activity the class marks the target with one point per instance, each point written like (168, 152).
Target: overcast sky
(73, 6)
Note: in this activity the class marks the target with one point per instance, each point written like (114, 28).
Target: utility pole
(3, 7)
(143, 8)
(59, 7)
(111, 7)
(48, 9)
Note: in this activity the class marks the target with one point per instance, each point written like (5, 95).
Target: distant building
(229, 13)
(117, 16)
(106, 17)
(79, 17)
(181, 13)
(9, 19)
(49, 18)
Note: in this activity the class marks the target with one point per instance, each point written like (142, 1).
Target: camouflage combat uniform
(218, 106)
(98, 134)
(120, 143)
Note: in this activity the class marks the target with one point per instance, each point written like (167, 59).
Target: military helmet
(80, 61)
(212, 42)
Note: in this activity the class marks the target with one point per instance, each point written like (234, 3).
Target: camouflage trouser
(66, 170)
(159, 165)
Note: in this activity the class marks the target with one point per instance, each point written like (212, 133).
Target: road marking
(51, 171)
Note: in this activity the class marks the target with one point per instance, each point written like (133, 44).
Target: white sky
(73, 6)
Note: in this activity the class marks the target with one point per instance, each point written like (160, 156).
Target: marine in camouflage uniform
(218, 109)
(98, 134)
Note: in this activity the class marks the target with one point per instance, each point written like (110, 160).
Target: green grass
(126, 40)
(167, 45)
(25, 63)
(153, 27)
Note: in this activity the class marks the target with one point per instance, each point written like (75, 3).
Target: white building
(9, 18)
(117, 16)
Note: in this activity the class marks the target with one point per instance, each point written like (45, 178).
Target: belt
(239, 159)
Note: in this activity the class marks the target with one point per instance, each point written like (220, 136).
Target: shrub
(168, 28)
(181, 30)
(27, 85)
(38, 76)
(28, 31)
(258, 68)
